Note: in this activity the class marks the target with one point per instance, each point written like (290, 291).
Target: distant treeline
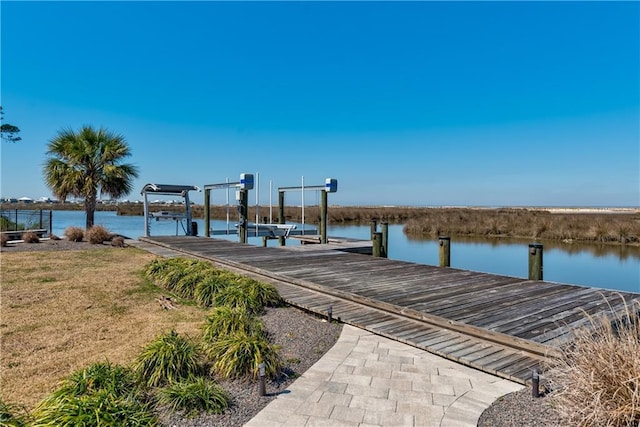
(430, 222)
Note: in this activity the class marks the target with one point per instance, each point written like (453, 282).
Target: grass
(167, 359)
(194, 396)
(596, 382)
(223, 321)
(50, 329)
(102, 394)
(239, 355)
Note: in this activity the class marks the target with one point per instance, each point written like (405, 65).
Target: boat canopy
(169, 189)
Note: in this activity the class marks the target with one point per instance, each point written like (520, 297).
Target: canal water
(602, 266)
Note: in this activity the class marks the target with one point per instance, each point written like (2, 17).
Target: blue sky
(413, 103)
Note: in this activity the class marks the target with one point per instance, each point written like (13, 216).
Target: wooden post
(374, 227)
(244, 211)
(207, 212)
(281, 218)
(535, 261)
(264, 241)
(323, 216)
(445, 251)
(385, 239)
(377, 244)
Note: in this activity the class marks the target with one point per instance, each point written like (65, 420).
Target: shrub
(239, 355)
(168, 358)
(194, 396)
(118, 242)
(3, 240)
(597, 378)
(223, 321)
(97, 235)
(74, 234)
(30, 237)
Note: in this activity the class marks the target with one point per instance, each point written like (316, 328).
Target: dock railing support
(374, 227)
(244, 217)
(444, 242)
(535, 261)
(377, 244)
(323, 216)
(385, 239)
(207, 212)
(281, 218)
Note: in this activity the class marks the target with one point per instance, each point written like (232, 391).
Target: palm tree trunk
(90, 209)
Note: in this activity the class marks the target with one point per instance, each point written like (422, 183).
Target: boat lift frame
(169, 190)
(244, 185)
(330, 186)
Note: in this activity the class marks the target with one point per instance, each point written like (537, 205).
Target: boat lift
(179, 217)
(330, 186)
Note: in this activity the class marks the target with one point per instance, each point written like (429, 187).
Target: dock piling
(535, 261)
(377, 244)
(385, 239)
(444, 243)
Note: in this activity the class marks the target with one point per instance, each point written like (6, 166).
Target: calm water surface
(609, 267)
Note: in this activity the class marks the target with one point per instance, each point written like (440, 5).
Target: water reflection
(595, 249)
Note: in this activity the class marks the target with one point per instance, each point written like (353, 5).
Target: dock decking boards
(502, 325)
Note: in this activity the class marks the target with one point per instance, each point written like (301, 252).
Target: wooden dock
(503, 325)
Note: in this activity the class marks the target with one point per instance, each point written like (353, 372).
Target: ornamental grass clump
(74, 234)
(9, 416)
(3, 240)
(224, 321)
(206, 290)
(193, 275)
(97, 235)
(102, 394)
(167, 359)
(264, 294)
(240, 354)
(30, 237)
(596, 381)
(193, 396)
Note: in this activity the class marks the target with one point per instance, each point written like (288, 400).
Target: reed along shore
(596, 225)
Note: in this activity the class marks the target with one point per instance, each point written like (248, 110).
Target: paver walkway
(368, 380)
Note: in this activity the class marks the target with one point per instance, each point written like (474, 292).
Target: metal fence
(25, 220)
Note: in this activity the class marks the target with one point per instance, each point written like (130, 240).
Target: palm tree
(87, 162)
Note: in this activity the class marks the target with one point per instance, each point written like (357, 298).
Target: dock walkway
(502, 325)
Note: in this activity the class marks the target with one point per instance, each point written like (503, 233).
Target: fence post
(377, 244)
(535, 261)
(445, 251)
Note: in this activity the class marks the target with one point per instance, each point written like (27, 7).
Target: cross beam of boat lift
(244, 185)
(330, 186)
(178, 217)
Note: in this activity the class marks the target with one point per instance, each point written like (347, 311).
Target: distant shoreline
(118, 206)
